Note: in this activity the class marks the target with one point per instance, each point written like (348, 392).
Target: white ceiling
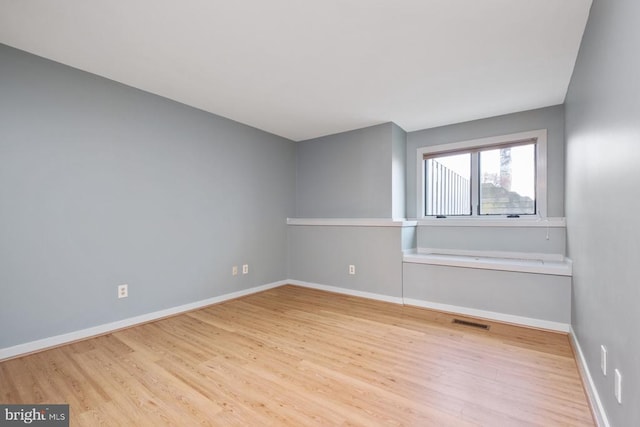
(302, 68)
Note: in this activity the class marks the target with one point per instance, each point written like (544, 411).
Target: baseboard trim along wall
(58, 340)
(345, 291)
(590, 387)
(50, 342)
(500, 317)
(490, 315)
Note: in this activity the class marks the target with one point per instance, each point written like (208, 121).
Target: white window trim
(541, 172)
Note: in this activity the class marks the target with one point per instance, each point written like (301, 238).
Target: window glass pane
(508, 181)
(448, 185)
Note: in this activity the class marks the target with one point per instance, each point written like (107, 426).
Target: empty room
(355, 212)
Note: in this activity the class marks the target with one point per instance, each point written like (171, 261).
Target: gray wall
(535, 296)
(496, 238)
(538, 240)
(102, 184)
(322, 254)
(603, 174)
(550, 118)
(398, 172)
(356, 174)
(346, 175)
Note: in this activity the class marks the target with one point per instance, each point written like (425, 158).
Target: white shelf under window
(474, 221)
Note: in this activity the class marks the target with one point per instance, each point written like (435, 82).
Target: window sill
(352, 222)
(493, 222)
(536, 266)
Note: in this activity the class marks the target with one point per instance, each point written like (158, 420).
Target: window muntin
(511, 168)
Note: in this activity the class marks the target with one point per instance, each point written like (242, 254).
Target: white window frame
(540, 137)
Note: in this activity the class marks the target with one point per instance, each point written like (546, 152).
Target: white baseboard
(590, 386)
(345, 291)
(500, 317)
(38, 345)
(491, 315)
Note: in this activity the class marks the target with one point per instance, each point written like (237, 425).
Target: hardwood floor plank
(296, 356)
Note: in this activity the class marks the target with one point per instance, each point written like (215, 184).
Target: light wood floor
(301, 357)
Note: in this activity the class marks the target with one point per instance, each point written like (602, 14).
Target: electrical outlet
(123, 291)
(603, 359)
(352, 269)
(245, 269)
(234, 270)
(618, 386)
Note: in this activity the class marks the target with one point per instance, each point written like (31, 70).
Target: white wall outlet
(617, 386)
(234, 270)
(603, 359)
(245, 268)
(123, 291)
(352, 269)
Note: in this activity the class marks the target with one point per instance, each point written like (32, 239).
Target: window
(498, 176)
(448, 184)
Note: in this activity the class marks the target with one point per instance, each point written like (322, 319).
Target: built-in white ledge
(493, 222)
(352, 222)
(554, 264)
